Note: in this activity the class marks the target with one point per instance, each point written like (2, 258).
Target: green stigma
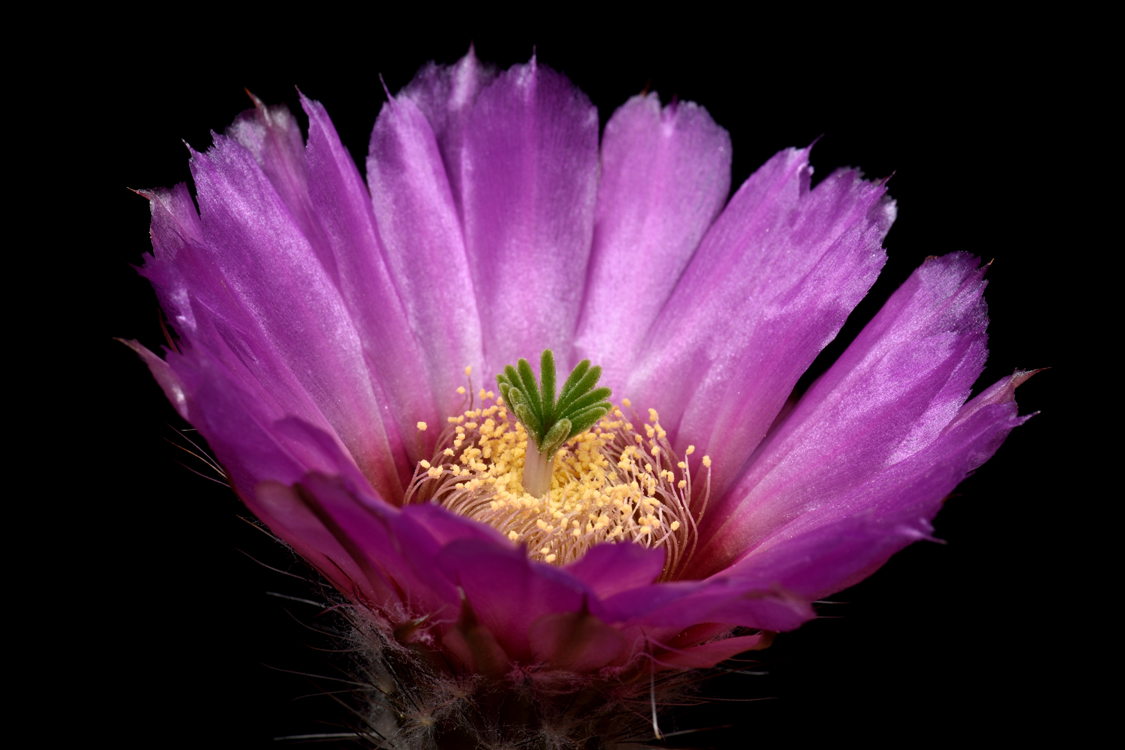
(550, 422)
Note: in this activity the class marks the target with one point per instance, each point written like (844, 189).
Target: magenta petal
(390, 541)
(897, 386)
(406, 543)
(320, 451)
(530, 169)
(771, 285)
(243, 431)
(609, 569)
(826, 559)
(445, 526)
(175, 230)
(165, 377)
(382, 540)
(665, 609)
(475, 646)
(282, 508)
(1002, 391)
(665, 174)
(423, 531)
(507, 591)
(575, 641)
(708, 654)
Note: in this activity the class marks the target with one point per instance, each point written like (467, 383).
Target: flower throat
(561, 475)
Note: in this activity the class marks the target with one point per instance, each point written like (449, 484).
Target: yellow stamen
(608, 484)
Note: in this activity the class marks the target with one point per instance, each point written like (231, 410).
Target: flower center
(611, 482)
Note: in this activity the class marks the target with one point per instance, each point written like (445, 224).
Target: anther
(608, 485)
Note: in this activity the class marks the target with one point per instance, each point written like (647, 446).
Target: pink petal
(840, 543)
(665, 174)
(347, 228)
(273, 137)
(446, 95)
(421, 231)
(770, 286)
(897, 386)
(245, 286)
(529, 170)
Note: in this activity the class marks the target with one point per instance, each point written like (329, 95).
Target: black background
(178, 640)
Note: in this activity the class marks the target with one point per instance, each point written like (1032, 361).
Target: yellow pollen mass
(609, 484)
